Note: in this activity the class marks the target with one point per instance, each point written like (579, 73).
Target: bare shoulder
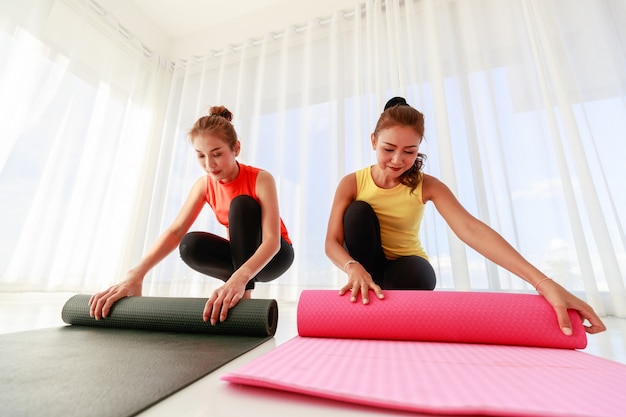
(429, 180)
(349, 178)
(200, 185)
(265, 177)
(432, 188)
(347, 185)
(265, 185)
(344, 195)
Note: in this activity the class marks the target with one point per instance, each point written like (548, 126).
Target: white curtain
(525, 103)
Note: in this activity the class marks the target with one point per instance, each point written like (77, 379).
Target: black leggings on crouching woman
(362, 241)
(217, 257)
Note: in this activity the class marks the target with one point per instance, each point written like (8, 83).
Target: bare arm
(229, 294)
(494, 247)
(101, 303)
(359, 280)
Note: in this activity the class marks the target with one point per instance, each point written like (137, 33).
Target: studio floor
(210, 396)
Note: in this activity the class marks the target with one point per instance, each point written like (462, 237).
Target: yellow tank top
(399, 213)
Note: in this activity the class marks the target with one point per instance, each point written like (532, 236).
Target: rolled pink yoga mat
(445, 353)
(438, 316)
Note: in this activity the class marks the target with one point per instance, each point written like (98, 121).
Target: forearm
(337, 254)
(494, 247)
(261, 257)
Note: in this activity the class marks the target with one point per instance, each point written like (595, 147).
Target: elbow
(327, 248)
(273, 246)
(471, 233)
(175, 235)
(276, 247)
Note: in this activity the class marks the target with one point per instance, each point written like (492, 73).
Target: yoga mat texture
(147, 349)
(440, 316)
(423, 352)
(250, 317)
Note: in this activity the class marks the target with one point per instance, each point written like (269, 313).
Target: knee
(427, 278)
(244, 205)
(358, 211)
(243, 201)
(359, 207)
(410, 273)
(188, 244)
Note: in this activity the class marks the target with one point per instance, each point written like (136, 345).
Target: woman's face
(396, 149)
(216, 157)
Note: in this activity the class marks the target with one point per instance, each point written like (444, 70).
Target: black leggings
(362, 241)
(215, 256)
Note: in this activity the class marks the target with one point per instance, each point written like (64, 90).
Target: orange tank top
(219, 195)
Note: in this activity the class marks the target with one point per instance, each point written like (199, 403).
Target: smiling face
(396, 150)
(216, 157)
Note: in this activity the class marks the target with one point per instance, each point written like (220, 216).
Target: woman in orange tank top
(244, 200)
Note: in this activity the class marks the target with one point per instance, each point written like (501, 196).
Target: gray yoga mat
(252, 317)
(147, 349)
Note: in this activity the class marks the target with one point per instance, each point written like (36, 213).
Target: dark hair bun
(396, 101)
(221, 111)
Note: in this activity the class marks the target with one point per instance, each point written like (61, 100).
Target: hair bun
(221, 111)
(396, 101)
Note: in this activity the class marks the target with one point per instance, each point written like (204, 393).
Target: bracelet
(350, 262)
(540, 281)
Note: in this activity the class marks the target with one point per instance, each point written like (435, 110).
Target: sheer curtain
(525, 103)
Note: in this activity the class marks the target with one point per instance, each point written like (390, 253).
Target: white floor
(211, 396)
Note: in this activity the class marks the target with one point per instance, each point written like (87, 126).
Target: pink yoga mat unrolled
(342, 354)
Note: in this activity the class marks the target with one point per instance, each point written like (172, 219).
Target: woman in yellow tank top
(374, 223)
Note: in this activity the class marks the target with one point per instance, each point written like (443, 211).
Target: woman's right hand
(100, 304)
(360, 282)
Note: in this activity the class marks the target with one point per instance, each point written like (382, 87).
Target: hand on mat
(360, 281)
(100, 304)
(561, 300)
(224, 298)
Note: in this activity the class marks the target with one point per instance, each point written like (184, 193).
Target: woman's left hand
(224, 298)
(561, 300)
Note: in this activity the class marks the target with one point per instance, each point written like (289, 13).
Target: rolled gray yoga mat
(146, 350)
(250, 317)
